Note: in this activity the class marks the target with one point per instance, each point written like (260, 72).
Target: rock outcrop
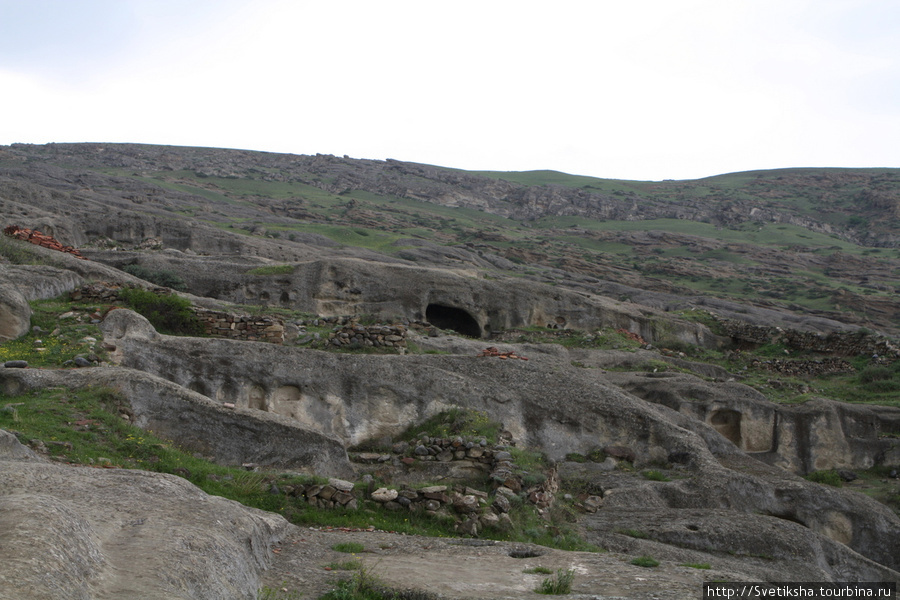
(77, 533)
(15, 313)
(818, 435)
(543, 403)
(226, 435)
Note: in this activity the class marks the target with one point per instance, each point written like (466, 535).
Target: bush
(559, 584)
(826, 477)
(875, 373)
(168, 314)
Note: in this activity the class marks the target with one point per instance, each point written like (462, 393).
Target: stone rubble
(492, 351)
(40, 239)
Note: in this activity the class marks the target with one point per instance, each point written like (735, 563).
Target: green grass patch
(467, 423)
(653, 475)
(697, 565)
(20, 252)
(267, 593)
(272, 270)
(633, 533)
(349, 547)
(58, 340)
(645, 561)
(364, 584)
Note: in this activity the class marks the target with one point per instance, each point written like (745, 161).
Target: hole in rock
(455, 319)
(728, 423)
(199, 387)
(525, 553)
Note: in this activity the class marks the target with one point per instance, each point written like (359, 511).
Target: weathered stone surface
(231, 436)
(98, 534)
(341, 484)
(384, 495)
(15, 313)
(817, 435)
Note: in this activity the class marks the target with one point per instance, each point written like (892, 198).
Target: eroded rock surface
(78, 533)
(546, 404)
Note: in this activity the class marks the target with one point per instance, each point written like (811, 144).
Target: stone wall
(838, 343)
(215, 323)
(241, 327)
(369, 335)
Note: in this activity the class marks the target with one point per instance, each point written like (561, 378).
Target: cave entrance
(456, 319)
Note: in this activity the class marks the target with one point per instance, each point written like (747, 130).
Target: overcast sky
(630, 89)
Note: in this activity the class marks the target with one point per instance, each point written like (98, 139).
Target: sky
(637, 89)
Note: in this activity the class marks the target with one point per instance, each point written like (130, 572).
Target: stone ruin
(40, 239)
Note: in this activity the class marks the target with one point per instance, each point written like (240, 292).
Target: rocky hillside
(814, 242)
(655, 380)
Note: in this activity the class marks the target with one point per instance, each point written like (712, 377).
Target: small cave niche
(256, 398)
(455, 319)
(199, 386)
(728, 423)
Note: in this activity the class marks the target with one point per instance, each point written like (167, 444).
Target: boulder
(15, 313)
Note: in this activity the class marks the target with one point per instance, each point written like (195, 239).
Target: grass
(633, 533)
(272, 270)
(645, 561)
(559, 584)
(470, 424)
(267, 593)
(20, 252)
(58, 339)
(538, 571)
(697, 565)
(349, 547)
(655, 476)
(362, 585)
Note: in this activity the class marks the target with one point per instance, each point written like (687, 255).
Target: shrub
(826, 477)
(875, 373)
(559, 584)
(168, 314)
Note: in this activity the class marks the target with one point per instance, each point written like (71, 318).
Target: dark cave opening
(456, 319)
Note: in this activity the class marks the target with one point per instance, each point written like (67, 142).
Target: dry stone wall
(215, 323)
(837, 343)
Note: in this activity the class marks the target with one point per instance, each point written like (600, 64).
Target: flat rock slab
(456, 569)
